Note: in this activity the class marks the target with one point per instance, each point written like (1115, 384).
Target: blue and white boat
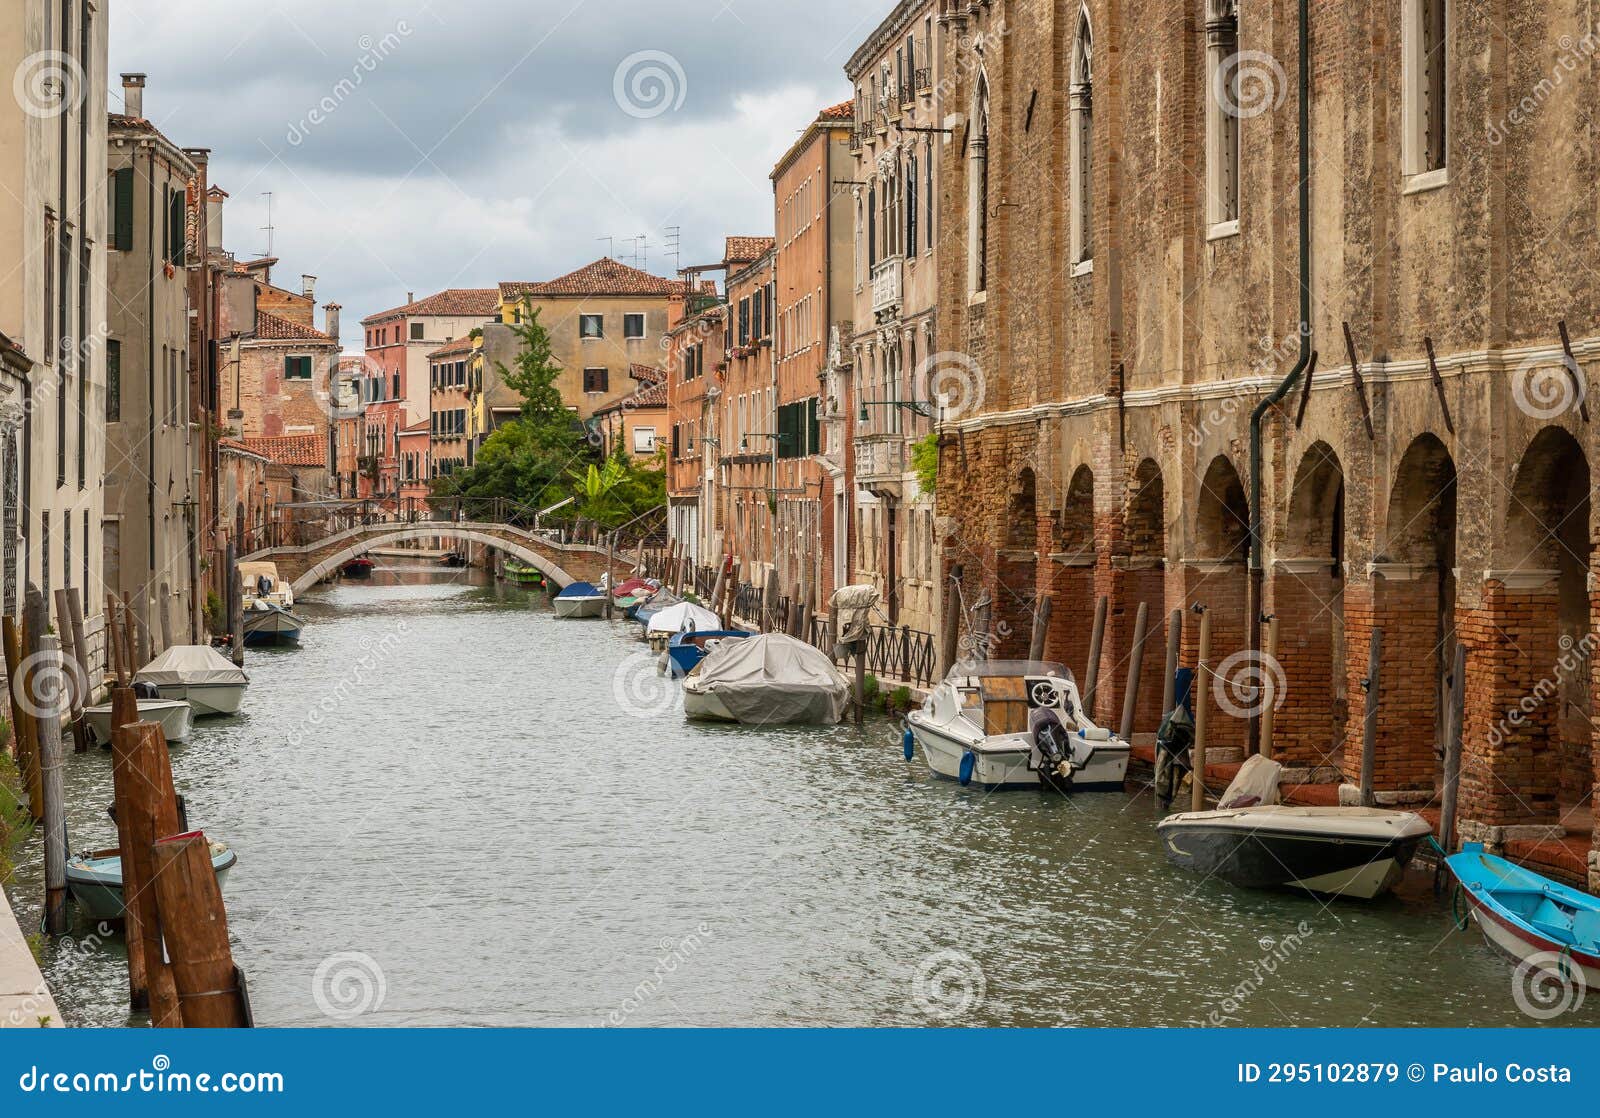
(1537, 922)
(581, 599)
(268, 605)
(687, 649)
(95, 880)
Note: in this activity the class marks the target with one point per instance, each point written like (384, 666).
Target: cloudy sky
(413, 145)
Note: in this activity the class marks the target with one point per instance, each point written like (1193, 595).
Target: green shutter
(123, 201)
(813, 428)
(113, 381)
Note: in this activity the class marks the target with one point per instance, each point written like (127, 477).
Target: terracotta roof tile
(269, 327)
(647, 374)
(289, 450)
(603, 277)
(742, 250)
(458, 348)
(844, 110)
(457, 302)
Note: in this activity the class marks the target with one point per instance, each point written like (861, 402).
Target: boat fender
(968, 762)
(908, 744)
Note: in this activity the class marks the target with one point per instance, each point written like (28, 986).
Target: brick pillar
(1222, 587)
(1309, 728)
(1404, 601)
(1511, 750)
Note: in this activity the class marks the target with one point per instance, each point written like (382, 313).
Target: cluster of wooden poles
(180, 965)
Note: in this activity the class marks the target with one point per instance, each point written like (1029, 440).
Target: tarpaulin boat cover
(684, 615)
(773, 679)
(852, 610)
(582, 590)
(191, 663)
(1256, 783)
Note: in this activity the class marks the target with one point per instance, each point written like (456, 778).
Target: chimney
(214, 199)
(308, 287)
(133, 95)
(411, 297)
(330, 320)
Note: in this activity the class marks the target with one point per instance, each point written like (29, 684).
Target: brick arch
(1138, 576)
(1016, 569)
(1067, 573)
(1216, 576)
(1145, 515)
(1419, 526)
(1222, 514)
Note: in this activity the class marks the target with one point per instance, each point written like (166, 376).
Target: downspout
(1287, 384)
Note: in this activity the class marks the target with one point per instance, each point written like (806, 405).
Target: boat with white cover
(763, 681)
(1255, 842)
(175, 716)
(1015, 724)
(199, 675)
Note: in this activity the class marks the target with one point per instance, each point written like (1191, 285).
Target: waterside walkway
(25, 1001)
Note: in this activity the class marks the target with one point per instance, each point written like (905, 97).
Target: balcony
(857, 140)
(923, 80)
(887, 284)
(881, 458)
(699, 303)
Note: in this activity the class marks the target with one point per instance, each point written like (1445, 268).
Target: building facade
(399, 340)
(696, 357)
(449, 381)
(746, 453)
(1123, 268)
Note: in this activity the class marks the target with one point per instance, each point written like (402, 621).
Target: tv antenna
(268, 227)
(674, 246)
(611, 246)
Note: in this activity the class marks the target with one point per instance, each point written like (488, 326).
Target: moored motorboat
(453, 559)
(685, 650)
(201, 676)
(515, 570)
(581, 599)
(765, 680)
(1536, 922)
(1257, 843)
(265, 624)
(95, 879)
(654, 604)
(175, 716)
(684, 617)
(1016, 724)
(359, 567)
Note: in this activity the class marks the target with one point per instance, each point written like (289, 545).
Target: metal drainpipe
(1288, 382)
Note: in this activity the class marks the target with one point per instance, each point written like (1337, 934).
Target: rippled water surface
(451, 808)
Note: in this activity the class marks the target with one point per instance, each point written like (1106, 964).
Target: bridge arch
(359, 546)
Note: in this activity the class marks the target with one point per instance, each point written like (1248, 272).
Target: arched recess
(1413, 596)
(1067, 574)
(1138, 576)
(1538, 599)
(361, 546)
(1307, 598)
(1016, 568)
(1216, 576)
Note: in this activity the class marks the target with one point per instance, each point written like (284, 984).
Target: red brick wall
(1309, 728)
(1408, 701)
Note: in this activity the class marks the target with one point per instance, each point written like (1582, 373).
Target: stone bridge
(564, 564)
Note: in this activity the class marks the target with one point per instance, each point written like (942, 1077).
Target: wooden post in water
(36, 620)
(165, 613)
(1169, 687)
(19, 713)
(1041, 628)
(73, 659)
(611, 573)
(1269, 708)
(1452, 750)
(194, 926)
(147, 809)
(1369, 724)
(236, 614)
(124, 712)
(1096, 641)
(79, 644)
(130, 639)
(861, 684)
(1130, 701)
(1202, 706)
(55, 820)
(114, 644)
(769, 603)
(717, 588)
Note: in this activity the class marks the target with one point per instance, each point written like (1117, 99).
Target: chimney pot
(133, 95)
(330, 325)
(308, 286)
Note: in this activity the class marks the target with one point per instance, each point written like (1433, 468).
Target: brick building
(400, 339)
(696, 354)
(1120, 289)
(747, 417)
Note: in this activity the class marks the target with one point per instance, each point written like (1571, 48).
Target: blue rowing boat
(688, 648)
(1534, 920)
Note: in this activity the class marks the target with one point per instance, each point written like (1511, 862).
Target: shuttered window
(297, 368)
(113, 381)
(122, 209)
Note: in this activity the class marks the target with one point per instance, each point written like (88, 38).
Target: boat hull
(579, 607)
(96, 884)
(1259, 855)
(1003, 765)
(704, 706)
(1520, 945)
(1531, 919)
(271, 626)
(207, 700)
(175, 717)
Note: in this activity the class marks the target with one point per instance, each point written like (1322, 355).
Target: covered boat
(95, 879)
(1015, 724)
(268, 606)
(684, 617)
(687, 649)
(1255, 842)
(765, 680)
(660, 600)
(200, 675)
(581, 599)
(174, 715)
(1537, 922)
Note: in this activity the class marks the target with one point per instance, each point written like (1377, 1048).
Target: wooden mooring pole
(114, 644)
(164, 611)
(1096, 639)
(36, 622)
(1130, 701)
(74, 675)
(1269, 709)
(1369, 724)
(1452, 750)
(21, 732)
(124, 712)
(130, 640)
(1169, 686)
(236, 613)
(1202, 706)
(950, 635)
(1041, 628)
(194, 926)
(50, 754)
(611, 574)
(147, 809)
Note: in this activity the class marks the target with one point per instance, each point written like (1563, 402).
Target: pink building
(413, 470)
(399, 340)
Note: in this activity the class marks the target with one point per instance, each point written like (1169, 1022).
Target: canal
(451, 808)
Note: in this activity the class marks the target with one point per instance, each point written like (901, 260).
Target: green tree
(620, 489)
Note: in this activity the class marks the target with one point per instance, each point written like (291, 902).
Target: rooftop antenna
(674, 246)
(611, 245)
(644, 251)
(268, 227)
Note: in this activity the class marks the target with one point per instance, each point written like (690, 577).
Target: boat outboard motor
(1175, 742)
(143, 689)
(1052, 749)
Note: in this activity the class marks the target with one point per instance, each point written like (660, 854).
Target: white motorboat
(262, 583)
(199, 675)
(681, 618)
(1015, 724)
(765, 680)
(581, 599)
(175, 716)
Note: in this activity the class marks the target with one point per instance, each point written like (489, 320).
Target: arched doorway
(1216, 576)
(1069, 576)
(1413, 594)
(1537, 602)
(1140, 571)
(1307, 598)
(1016, 569)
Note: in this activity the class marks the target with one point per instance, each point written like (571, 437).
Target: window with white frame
(1425, 102)
(1222, 114)
(1081, 123)
(591, 326)
(644, 440)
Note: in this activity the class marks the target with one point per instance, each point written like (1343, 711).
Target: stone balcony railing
(883, 456)
(888, 284)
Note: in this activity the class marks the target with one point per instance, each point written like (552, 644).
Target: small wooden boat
(95, 879)
(266, 624)
(581, 599)
(359, 567)
(453, 559)
(685, 650)
(175, 716)
(521, 573)
(1530, 918)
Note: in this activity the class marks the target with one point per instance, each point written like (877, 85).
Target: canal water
(451, 808)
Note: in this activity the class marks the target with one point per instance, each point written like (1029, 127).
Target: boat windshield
(1001, 669)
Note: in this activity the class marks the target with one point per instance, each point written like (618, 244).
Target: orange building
(638, 422)
(694, 353)
(748, 413)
